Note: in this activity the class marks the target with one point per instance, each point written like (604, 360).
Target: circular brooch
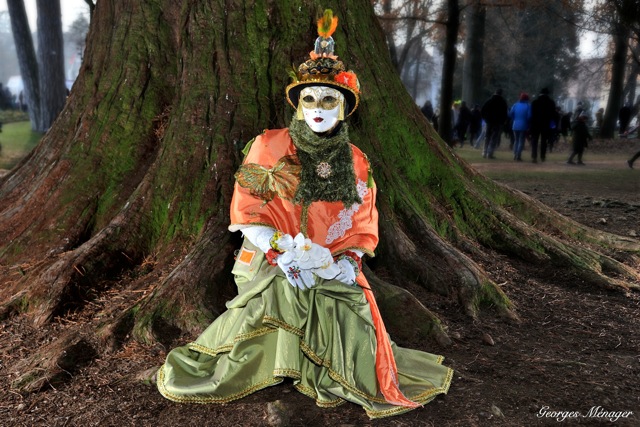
(323, 170)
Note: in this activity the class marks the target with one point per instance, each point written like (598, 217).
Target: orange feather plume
(327, 24)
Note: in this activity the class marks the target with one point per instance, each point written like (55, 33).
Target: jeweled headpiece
(324, 69)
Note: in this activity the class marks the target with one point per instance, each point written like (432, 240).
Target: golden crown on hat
(324, 69)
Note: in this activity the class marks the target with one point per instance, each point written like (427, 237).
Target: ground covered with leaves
(573, 358)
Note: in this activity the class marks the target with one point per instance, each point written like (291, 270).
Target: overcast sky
(70, 10)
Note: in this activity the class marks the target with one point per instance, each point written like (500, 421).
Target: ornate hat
(324, 69)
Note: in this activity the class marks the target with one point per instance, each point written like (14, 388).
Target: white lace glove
(347, 273)
(260, 236)
(300, 258)
(311, 255)
(313, 258)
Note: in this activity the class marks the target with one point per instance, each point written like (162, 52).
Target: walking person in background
(624, 117)
(427, 110)
(520, 115)
(577, 113)
(494, 113)
(599, 120)
(543, 110)
(581, 136)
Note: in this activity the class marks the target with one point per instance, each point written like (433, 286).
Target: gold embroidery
(281, 180)
(304, 218)
(357, 248)
(422, 398)
(210, 399)
(290, 373)
(225, 348)
(280, 324)
(309, 392)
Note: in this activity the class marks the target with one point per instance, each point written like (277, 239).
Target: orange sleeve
(248, 209)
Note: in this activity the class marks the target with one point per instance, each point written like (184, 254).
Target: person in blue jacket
(520, 115)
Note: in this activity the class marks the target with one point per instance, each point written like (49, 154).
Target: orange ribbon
(386, 370)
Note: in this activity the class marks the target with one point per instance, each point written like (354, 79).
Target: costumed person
(581, 136)
(304, 200)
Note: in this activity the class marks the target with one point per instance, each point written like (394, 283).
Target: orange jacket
(329, 224)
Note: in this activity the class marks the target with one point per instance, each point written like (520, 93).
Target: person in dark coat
(543, 112)
(427, 110)
(494, 113)
(624, 117)
(581, 136)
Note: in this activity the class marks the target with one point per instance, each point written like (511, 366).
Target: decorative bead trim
(268, 320)
(422, 399)
(196, 399)
(289, 373)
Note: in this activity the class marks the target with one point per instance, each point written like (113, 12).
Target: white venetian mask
(321, 107)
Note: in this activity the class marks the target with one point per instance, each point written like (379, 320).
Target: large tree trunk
(473, 53)
(124, 203)
(618, 65)
(53, 91)
(26, 59)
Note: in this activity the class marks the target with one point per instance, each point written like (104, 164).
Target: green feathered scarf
(317, 150)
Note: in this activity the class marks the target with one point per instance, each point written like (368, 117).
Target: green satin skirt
(322, 338)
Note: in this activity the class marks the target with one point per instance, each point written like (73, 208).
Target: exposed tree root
(405, 309)
(55, 363)
(190, 297)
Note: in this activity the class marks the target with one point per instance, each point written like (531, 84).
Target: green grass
(17, 140)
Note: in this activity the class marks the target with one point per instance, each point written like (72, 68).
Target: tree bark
(473, 53)
(53, 91)
(26, 59)
(618, 65)
(124, 203)
(448, 69)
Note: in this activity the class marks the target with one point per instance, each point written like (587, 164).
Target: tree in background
(42, 75)
(619, 19)
(473, 63)
(529, 48)
(124, 204)
(408, 27)
(77, 34)
(27, 59)
(53, 89)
